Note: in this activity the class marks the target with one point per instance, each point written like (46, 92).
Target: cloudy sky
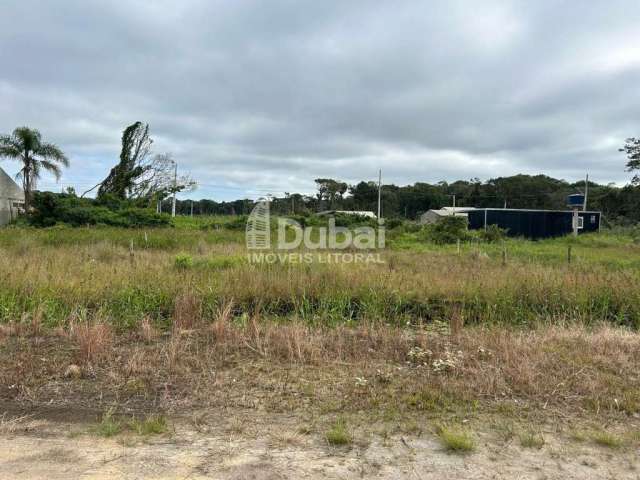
(256, 97)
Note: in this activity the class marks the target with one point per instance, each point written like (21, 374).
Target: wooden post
(569, 254)
(458, 242)
(131, 251)
(504, 255)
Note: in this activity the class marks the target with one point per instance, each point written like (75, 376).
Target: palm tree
(26, 145)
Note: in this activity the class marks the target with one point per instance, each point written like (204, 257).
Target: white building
(11, 198)
(432, 216)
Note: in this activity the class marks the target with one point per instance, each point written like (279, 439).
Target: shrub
(53, 208)
(447, 230)
(183, 261)
(392, 223)
(493, 234)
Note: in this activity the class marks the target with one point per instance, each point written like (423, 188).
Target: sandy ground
(53, 450)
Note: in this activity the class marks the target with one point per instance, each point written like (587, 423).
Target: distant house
(358, 213)
(433, 216)
(11, 198)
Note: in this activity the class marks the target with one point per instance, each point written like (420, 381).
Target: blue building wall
(533, 224)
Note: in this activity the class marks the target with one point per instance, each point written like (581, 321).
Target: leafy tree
(26, 146)
(632, 149)
(123, 180)
(330, 190)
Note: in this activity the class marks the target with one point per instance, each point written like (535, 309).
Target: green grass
(64, 272)
(108, 426)
(607, 439)
(338, 434)
(456, 440)
(151, 425)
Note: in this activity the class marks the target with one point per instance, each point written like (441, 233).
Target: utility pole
(379, 194)
(175, 186)
(192, 208)
(586, 192)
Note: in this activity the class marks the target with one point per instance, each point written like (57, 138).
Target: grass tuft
(108, 426)
(456, 440)
(151, 425)
(607, 439)
(339, 434)
(531, 439)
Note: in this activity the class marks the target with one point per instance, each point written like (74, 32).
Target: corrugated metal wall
(533, 223)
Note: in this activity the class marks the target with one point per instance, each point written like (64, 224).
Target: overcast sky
(256, 97)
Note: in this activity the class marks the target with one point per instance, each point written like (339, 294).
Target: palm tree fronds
(9, 147)
(49, 167)
(51, 151)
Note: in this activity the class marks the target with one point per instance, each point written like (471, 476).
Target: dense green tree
(632, 150)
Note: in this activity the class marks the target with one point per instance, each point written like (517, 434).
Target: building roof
(9, 188)
(361, 213)
(445, 213)
(534, 210)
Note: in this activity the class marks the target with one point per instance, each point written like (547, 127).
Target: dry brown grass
(93, 340)
(371, 366)
(187, 311)
(147, 332)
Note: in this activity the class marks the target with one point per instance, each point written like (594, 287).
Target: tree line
(141, 179)
(620, 205)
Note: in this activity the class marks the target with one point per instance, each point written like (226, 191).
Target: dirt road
(49, 450)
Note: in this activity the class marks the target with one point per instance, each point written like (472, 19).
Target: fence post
(504, 255)
(569, 254)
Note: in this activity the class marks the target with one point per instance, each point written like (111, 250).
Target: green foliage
(447, 230)
(52, 208)
(183, 261)
(135, 147)
(492, 234)
(108, 426)
(632, 149)
(151, 425)
(456, 440)
(26, 145)
(237, 223)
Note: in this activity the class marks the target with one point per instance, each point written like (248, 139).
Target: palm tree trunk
(26, 184)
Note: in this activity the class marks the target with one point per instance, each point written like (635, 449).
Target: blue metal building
(534, 224)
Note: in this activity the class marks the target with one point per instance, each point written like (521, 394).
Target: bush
(492, 234)
(447, 230)
(392, 223)
(52, 208)
(183, 261)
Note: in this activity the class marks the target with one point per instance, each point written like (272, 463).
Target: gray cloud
(255, 96)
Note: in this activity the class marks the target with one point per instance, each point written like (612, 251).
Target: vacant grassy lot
(121, 276)
(465, 344)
